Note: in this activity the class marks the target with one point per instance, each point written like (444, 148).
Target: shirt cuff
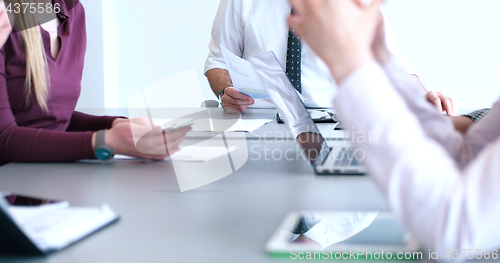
(107, 121)
(86, 145)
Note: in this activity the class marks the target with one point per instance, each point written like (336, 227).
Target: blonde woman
(40, 80)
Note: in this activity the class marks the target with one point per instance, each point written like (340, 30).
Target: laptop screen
(290, 107)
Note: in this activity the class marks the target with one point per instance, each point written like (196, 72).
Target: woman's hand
(118, 121)
(5, 26)
(341, 32)
(137, 138)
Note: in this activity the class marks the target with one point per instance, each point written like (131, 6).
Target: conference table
(229, 220)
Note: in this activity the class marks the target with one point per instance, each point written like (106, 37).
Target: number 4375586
(471, 254)
(33, 8)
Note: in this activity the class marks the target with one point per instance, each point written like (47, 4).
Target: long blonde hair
(37, 78)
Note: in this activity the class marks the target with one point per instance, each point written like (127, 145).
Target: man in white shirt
(250, 28)
(441, 184)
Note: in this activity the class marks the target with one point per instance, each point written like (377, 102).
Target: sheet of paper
(54, 229)
(193, 154)
(201, 154)
(239, 126)
(221, 125)
(242, 74)
(168, 123)
(263, 104)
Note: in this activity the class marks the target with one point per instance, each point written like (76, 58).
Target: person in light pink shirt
(441, 184)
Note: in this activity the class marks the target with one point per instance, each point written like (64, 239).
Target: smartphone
(340, 232)
(27, 201)
(178, 127)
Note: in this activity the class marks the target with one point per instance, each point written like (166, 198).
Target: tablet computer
(342, 236)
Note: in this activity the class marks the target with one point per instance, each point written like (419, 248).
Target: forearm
(21, 144)
(218, 79)
(462, 123)
(85, 122)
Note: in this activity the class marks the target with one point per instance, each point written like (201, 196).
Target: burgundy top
(29, 134)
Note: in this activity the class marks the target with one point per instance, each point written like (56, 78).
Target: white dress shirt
(250, 28)
(443, 186)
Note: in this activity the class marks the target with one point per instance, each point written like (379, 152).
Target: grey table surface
(229, 220)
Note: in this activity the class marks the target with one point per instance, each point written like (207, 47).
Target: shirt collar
(64, 14)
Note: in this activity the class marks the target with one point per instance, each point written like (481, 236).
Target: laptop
(325, 158)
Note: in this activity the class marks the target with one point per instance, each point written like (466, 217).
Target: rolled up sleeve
(227, 30)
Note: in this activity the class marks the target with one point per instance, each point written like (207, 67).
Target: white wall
(92, 95)
(157, 39)
(453, 45)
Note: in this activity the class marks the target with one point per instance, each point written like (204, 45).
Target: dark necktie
(293, 58)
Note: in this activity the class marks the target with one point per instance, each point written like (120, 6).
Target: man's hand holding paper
(246, 85)
(233, 100)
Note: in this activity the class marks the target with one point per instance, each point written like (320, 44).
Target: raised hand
(341, 32)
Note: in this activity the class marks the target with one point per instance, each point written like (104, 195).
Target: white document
(50, 228)
(218, 125)
(193, 154)
(201, 154)
(249, 125)
(243, 75)
(168, 123)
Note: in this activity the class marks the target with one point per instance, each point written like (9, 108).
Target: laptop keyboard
(343, 157)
